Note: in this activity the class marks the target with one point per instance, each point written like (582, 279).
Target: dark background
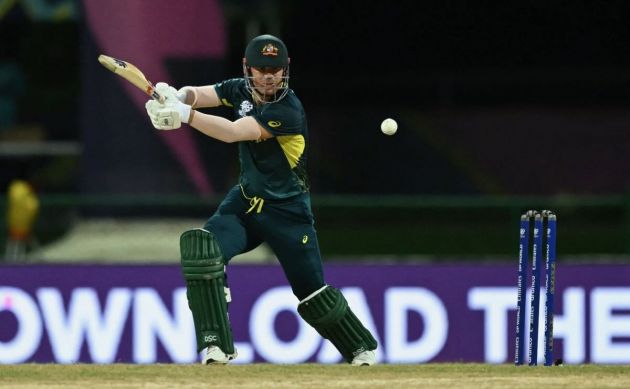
(464, 81)
(507, 99)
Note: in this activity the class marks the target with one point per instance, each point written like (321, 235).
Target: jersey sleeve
(226, 90)
(281, 120)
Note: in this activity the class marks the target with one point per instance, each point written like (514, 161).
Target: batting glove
(167, 116)
(162, 118)
(167, 91)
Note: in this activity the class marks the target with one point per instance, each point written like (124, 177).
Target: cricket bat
(130, 73)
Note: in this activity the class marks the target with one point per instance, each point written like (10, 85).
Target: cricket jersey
(274, 168)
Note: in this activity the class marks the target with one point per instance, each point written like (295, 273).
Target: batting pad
(328, 312)
(203, 270)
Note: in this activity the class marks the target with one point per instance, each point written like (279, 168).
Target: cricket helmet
(267, 51)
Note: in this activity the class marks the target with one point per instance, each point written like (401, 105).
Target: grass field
(313, 376)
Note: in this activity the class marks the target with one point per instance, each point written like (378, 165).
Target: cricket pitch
(261, 376)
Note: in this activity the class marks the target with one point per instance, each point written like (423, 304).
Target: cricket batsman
(271, 203)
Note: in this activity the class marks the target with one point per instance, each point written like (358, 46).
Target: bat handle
(157, 97)
(154, 94)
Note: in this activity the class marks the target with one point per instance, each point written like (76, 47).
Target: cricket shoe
(213, 355)
(366, 358)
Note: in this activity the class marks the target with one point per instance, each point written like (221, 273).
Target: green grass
(261, 376)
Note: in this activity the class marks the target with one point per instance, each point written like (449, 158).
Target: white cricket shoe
(366, 358)
(213, 355)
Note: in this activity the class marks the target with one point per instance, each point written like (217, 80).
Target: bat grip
(158, 97)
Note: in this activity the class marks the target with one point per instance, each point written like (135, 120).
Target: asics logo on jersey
(246, 106)
(274, 124)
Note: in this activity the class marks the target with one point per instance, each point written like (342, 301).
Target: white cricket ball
(389, 126)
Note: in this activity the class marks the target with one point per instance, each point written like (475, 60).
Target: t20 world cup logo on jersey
(246, 106)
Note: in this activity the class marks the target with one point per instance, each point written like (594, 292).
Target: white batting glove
(182, 109)
(168, 116)
(162, 118)
(167, 91)
(171, 93)
(175, 99)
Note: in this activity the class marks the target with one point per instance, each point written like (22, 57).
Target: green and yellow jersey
(274, 168)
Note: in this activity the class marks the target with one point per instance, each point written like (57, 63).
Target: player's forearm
(224, 130)
(202, 96)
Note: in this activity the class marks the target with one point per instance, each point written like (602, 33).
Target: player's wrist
(184, 111)
(188, 95)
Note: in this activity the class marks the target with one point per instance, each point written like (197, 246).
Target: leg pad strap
(328, 312)
(204, 272)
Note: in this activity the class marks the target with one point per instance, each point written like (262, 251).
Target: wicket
(537, 233)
